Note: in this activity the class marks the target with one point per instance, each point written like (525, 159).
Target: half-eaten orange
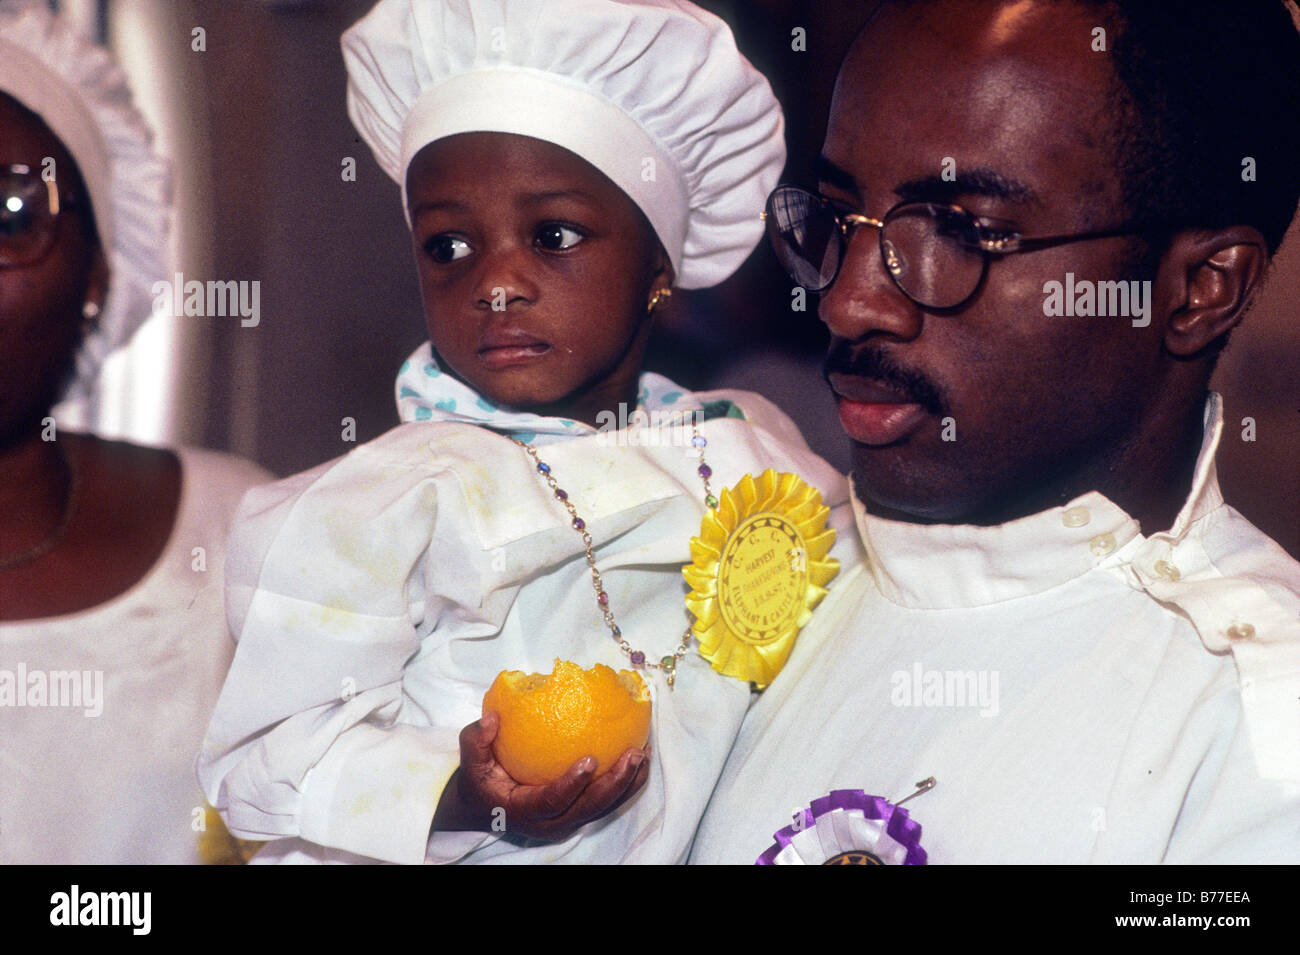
(550, 721)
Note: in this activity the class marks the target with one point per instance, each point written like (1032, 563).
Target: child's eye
(555, 237)
(446, 248)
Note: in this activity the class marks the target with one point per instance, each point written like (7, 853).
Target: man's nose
(506, 278)
(864, 298)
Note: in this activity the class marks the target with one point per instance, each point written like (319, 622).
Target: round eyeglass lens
(805, 237)
(26, 223)
(933, 253)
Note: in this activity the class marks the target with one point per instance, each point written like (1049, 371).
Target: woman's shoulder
(215, 482)
(184, 477)
(220, 470)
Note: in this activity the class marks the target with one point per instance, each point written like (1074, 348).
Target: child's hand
(481, 790)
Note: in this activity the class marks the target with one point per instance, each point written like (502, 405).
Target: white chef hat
(653, 93)
(81, 95)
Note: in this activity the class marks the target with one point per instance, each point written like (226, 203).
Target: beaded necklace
(637, 657)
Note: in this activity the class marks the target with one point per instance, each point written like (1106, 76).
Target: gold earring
(660, 295)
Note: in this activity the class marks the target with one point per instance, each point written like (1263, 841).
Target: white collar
(936, 566)
(426, 393)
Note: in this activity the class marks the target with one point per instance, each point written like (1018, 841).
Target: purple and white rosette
(848, 827)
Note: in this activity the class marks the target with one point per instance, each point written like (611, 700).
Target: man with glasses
(1059, 619)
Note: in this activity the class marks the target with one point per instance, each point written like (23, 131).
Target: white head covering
(81, 94)
(653, 93)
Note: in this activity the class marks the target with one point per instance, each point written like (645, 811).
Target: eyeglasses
(937, 254)
(29, 215)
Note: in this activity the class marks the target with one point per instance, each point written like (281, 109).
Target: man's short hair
(1207, 111)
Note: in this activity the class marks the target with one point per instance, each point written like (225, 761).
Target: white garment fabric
(118, 787)
(375, 598)
(653, 93)
(1139, 694)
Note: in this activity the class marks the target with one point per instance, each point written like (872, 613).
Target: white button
(1102, 544)
(1241, 631)
(1167, 570)
(1076, 517)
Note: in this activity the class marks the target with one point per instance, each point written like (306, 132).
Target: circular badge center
(854, 857)
(763, 578)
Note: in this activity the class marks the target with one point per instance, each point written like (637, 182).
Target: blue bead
(543, 467)
(699, 441)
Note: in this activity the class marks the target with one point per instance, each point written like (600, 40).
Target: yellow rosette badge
(758, 569)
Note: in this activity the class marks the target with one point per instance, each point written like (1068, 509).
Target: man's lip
(865, 390)
(878, 423)
(872, 412)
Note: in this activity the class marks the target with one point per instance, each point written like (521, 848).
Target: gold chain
(60, 531)
(637, 657)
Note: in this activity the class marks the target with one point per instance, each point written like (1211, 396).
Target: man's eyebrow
(831, 174)
(969, 182)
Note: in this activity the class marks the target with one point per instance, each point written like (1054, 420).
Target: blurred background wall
(257, 125)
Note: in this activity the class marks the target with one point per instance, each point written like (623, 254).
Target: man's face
(996, 410)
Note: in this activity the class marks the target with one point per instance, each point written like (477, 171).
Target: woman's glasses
(29, 215)
(937, 254)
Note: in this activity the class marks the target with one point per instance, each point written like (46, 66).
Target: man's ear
(1210, 279)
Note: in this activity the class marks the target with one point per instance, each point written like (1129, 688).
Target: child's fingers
(476, 743)
(611, 789)
(555, 799)
(639, 778)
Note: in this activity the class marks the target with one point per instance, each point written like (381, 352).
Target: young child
(562, 163)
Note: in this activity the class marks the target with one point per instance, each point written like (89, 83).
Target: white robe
(376, 597)
(111, 780)
(1080, 692)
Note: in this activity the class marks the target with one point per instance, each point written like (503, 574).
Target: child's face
(535, 271)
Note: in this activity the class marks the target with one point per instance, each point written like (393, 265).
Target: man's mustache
(867, 362)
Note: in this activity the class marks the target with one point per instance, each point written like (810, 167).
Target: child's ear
(663, 275)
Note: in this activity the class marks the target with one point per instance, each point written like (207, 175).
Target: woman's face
(535, 271)
(41, 302)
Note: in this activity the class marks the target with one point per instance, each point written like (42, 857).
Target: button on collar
(1076, 517)
(1102, 544)
(1241, 631)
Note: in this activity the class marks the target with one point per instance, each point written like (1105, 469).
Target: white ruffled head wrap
(81, 95)
(653, 93)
